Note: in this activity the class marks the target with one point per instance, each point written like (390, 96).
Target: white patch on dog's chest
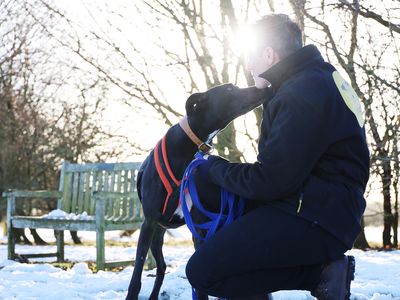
(189, 202)
(212, 135)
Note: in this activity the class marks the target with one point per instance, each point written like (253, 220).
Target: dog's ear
(193, 102)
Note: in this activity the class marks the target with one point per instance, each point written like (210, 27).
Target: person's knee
(197, 273)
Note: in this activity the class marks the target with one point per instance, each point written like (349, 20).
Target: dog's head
(213, 110)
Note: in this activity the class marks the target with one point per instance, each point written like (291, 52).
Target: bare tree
(133, 51)
(204, 59)
(38, 127)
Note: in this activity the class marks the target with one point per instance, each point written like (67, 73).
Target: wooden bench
(106, 191)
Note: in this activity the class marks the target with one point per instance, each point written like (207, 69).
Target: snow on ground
(377, 274)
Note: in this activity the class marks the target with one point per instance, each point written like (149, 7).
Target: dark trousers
(265, 250)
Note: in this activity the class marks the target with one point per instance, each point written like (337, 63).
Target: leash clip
(206, 147)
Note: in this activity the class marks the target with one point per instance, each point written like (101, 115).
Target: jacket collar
(292, 64)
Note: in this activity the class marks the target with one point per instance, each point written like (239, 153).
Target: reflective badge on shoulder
(349, 96)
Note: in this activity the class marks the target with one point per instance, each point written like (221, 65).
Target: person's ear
(270, 56)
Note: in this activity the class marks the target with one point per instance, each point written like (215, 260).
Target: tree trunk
(36, 237)
(387, 206)
(395, 229)
(396, 215)
(361, 241)
(75, 238)
(396, 177)
(227, 140)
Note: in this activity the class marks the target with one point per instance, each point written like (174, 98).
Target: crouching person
(304, 195)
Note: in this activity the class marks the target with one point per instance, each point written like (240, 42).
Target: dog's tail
(142, 169)
(139, 181)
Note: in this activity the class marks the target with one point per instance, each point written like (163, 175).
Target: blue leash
(217, 220)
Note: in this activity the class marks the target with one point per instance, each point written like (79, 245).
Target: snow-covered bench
(102, 196)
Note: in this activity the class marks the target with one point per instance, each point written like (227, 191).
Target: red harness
(169, 182)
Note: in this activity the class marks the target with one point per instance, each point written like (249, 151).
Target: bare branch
(365, 12)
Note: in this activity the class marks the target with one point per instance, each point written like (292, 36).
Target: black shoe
(335, 280)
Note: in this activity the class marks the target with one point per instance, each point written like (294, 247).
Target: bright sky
(131, 26)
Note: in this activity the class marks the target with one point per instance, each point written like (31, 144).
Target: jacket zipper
(300, 202)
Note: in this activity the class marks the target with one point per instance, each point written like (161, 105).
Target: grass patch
(67, 265)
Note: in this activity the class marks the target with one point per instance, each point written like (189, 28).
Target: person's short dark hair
(279, 32)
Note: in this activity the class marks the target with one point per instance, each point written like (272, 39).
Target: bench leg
(10, 231)
(10, 242)
(4, 229)
(100, 245)
(60, 244)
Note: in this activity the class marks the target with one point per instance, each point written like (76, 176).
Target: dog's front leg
(145, 239)
(156, 250)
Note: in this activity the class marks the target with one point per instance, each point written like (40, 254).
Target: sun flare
(244, 40)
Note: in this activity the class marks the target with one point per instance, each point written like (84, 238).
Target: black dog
(159, 176)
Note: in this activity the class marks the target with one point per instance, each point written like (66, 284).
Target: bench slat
(100, 176)
(119, 183)
(124, 198)
(66, 201)
(108, 211)
(94, 189)
(56, 224)
(86, 206)
(112, 264)
(116, 212)
(63, 224)
(131, 189)
(80, 193)
(38, 255)
(74, 192)
(113, 210)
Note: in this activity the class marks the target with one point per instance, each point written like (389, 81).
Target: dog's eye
(231, 87)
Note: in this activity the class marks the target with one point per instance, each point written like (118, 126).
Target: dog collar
(202, 146)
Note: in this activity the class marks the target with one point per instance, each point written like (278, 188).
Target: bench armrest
(12, 195)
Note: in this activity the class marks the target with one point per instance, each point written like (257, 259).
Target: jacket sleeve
(296, 139)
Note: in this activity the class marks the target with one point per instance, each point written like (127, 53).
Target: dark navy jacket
(313, 158)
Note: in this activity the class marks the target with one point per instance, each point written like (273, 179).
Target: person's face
(260, 61)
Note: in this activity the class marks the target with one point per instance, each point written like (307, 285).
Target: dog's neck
(180, 149)
(182, 143)
(184, 124)
(204, 144)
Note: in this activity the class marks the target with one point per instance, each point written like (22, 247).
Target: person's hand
(204, 168)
